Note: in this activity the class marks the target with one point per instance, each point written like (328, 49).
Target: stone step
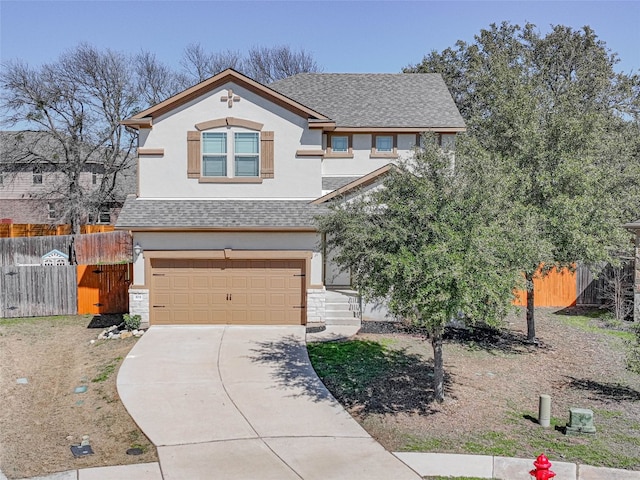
(342, 306)
(354, 321)
(341, 313)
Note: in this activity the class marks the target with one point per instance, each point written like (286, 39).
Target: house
(32, 188)
(232, 173)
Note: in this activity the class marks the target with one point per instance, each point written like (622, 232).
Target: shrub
(131, 322)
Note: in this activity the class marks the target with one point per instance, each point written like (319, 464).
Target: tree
(263, 64)
(429, 243)
(565, 125)
(268, 64)
(157, 81)
(199, 64)
(75, 105)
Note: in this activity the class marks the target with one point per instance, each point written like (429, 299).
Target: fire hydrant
(542, 472)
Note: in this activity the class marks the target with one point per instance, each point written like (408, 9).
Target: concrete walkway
(244, 402)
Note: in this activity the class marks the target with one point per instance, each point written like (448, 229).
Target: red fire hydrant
(542, 472)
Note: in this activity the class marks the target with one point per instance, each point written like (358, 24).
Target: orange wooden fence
(556, 289)
(103, 288)
(8, 230)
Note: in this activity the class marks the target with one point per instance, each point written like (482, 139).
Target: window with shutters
(230, 154)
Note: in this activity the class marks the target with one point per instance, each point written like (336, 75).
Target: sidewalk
(425, 464)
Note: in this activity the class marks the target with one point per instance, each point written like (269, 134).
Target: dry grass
(493, 381)
(37, 419)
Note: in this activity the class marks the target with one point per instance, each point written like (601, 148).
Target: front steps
(342, 307)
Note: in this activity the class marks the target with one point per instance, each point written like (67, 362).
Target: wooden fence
(10, 230)
(34, 291)
(570, 288)
(104, 288)
(37, 291)
(556, 289)
(112, 247)
(98, 284)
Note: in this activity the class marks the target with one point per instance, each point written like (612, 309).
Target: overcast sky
(358, 36)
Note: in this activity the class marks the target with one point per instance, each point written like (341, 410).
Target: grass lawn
(493, 382)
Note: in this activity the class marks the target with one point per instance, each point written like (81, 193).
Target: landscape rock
(126, 334)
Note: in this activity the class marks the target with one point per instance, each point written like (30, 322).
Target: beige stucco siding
(303, 241)
(362, 163)
(166, 175)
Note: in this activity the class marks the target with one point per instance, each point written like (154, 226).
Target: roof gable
(351, 187)
(145, 118)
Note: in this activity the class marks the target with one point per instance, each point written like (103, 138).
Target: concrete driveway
(244, 403)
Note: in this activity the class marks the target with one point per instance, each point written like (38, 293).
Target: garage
(227, 291)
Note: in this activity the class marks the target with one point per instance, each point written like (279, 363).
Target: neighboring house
(30, 182)
(232, 173)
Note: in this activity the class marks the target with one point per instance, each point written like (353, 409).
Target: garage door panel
(200, 282)
(180, 282)
(227, 291)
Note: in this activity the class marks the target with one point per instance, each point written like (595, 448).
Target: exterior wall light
(137, 250)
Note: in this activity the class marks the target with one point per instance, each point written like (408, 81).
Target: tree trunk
(531, 322)
(438, 366)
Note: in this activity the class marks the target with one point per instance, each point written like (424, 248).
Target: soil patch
(42, 418)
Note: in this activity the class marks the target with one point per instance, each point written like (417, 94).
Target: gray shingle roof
(375, 100)
(151, 213)
(334, 183)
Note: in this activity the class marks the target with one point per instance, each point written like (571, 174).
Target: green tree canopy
(552, 110)
(429, 242)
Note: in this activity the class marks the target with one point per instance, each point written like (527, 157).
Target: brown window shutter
(266, 154)
(193, 154)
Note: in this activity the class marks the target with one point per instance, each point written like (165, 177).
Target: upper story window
(1, 178)
(236, 152)
(339, 145)
(214, 154)
(246, 154)
(384, 146)
(37, 175)
(448, 141)
(230, 150)
(51, 209)
(384, 143)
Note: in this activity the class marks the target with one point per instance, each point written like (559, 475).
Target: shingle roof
(375, 100)
(333, 183)
(152, 213)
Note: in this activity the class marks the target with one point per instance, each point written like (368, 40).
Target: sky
(356, 36)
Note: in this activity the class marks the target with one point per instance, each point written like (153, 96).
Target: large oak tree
(554, 112)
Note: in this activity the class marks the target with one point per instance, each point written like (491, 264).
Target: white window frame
(51, 210)
(36, 175)
(231, 155)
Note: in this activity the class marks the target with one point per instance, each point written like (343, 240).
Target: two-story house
(33, 186)
(231, 174)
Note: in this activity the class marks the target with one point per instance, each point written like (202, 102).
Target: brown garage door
(243, 292)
